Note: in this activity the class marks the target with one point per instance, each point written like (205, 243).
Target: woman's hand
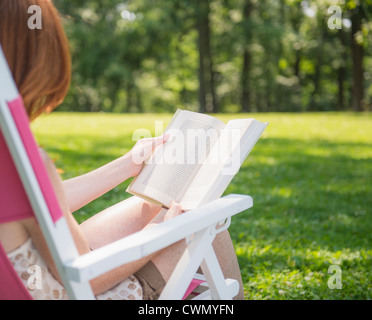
(164, 215)
(142, 152)
(81, 190)
(174, 210)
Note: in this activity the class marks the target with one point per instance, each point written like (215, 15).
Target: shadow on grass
(321, 195)
(312, 208)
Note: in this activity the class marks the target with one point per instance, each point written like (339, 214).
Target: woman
(40, 64)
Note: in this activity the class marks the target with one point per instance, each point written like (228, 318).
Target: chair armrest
(146, 242)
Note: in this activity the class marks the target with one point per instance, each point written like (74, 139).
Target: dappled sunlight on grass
(281, 272)
(309, 175)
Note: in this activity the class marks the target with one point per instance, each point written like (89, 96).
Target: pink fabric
(193, 285)
(11, 286)
(16, 203)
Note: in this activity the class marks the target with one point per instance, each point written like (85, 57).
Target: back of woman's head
(38, 58)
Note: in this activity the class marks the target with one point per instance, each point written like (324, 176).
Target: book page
(173, 165)
(227, 155)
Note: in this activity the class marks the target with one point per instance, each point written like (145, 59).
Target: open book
(198, 161)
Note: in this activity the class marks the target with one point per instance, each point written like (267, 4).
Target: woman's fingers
(155, 142)
(143, 148)
(174, 210)
(166, 137)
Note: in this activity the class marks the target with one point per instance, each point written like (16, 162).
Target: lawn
(310, 177)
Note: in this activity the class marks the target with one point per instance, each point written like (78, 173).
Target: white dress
(42, 285)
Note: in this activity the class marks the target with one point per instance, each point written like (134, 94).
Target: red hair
(38, 58)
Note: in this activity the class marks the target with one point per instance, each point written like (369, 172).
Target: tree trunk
(341, 88)
(129, 97)
(246, 93)
(357, 69)
(278, 87)
(297, 64)
(341, 73)
(318, 71)
(247, 60)
(139, 100)
(207, 94)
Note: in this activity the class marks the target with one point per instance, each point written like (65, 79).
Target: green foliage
(310, 178)
(133, 56)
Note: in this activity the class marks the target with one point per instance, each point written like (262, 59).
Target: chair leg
(204, 293)
(221, 288)
(79, 291)
(200, 252)
(188, 265)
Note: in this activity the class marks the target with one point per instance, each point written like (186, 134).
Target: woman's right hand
(174, 210)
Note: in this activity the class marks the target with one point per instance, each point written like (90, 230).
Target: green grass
(310, 176)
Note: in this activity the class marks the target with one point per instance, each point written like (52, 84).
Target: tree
(341, 72)
(357, 52)
(207, 92)
(247, 58)
(217, 55)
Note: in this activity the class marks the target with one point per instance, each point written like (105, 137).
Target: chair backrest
(14, 201)
(14, 205)
(25, 188)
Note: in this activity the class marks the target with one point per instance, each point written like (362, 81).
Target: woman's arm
(107, 280)
(81, 190)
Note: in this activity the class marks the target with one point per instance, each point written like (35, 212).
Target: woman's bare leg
(134, 214)
(119, 221)
(228, 260)
(166, 260)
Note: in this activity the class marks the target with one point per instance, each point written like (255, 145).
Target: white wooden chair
(34, 192)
